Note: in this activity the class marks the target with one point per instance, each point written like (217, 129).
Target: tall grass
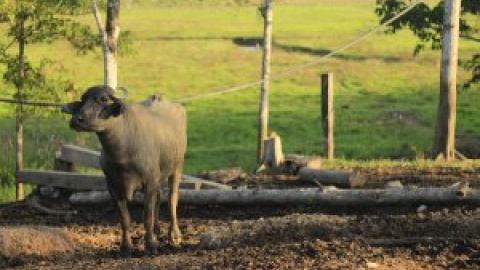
(385, 98)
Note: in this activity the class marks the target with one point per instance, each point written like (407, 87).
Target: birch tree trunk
(113, 31)
(109, 37)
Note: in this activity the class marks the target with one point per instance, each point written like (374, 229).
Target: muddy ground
(266, 237)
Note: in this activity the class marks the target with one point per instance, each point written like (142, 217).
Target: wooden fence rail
(70, 155)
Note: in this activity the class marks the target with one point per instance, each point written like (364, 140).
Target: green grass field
(385, 98)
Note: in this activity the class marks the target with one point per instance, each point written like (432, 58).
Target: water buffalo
(142, 145)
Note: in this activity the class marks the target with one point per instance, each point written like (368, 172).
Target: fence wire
(274, 77)
(43, 136)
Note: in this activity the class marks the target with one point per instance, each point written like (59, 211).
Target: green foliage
(426, 23)
(473, 65)
(35, 21)
(44, 21)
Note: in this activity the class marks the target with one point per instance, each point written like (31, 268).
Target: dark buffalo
(142, 145)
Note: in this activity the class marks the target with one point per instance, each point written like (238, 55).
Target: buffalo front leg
(156, 220)
(126, 244)
(174, 235)
(149, 208)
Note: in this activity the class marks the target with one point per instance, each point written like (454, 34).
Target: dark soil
(273, 237)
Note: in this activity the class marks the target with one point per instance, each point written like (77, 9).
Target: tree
(28, 22)
(428, 25)
(109, 38)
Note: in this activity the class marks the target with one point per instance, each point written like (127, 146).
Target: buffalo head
(92, 113)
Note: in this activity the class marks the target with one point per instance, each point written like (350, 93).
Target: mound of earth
(34, 240)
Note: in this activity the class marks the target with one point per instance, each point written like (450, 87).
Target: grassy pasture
(385, 98)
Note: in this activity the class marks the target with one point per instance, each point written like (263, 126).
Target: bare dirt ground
(264, 237)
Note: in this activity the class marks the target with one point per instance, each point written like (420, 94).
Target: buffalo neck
(113, 137)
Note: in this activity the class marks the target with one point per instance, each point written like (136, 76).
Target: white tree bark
(109, 37)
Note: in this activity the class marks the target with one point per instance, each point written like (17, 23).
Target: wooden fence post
(444, 145)
(266, 10)
(327, 114)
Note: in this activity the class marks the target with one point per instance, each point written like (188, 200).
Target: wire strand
(32, 103)
(255, 83)
(307, 65)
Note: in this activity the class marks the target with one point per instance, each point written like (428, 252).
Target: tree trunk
(266, 11)
(103, 39)
(19, 110)
(273, 154)
(444, 146)
(109, 38)
(113, 31)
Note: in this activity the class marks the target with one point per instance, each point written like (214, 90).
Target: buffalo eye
(104, 99)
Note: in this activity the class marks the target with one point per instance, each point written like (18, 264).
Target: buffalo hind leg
(149, 208)
(174, 235)
(126, 244)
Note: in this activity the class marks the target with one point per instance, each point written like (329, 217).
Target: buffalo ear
(118, 108)
(114, 109)
(71, 108)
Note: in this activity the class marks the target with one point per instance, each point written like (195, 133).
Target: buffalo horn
(112, 93)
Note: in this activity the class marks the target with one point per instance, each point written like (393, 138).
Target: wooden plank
(80, 156)
(78, 181)
(187, 179)
(74, 181)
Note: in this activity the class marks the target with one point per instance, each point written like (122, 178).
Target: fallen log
(331, 197)
(411, 241)
(34, 203)
(293, 163)
(337, 178)
(312, 162)
(223, 176)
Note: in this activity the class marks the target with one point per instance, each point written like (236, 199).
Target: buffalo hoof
(175, 238)
(151, 248)
(125, 253)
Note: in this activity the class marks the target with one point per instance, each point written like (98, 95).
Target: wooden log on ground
(223, 176)
(331, 197)
(411, 241)
(332, 177)
(293, 163)
(34, 203)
